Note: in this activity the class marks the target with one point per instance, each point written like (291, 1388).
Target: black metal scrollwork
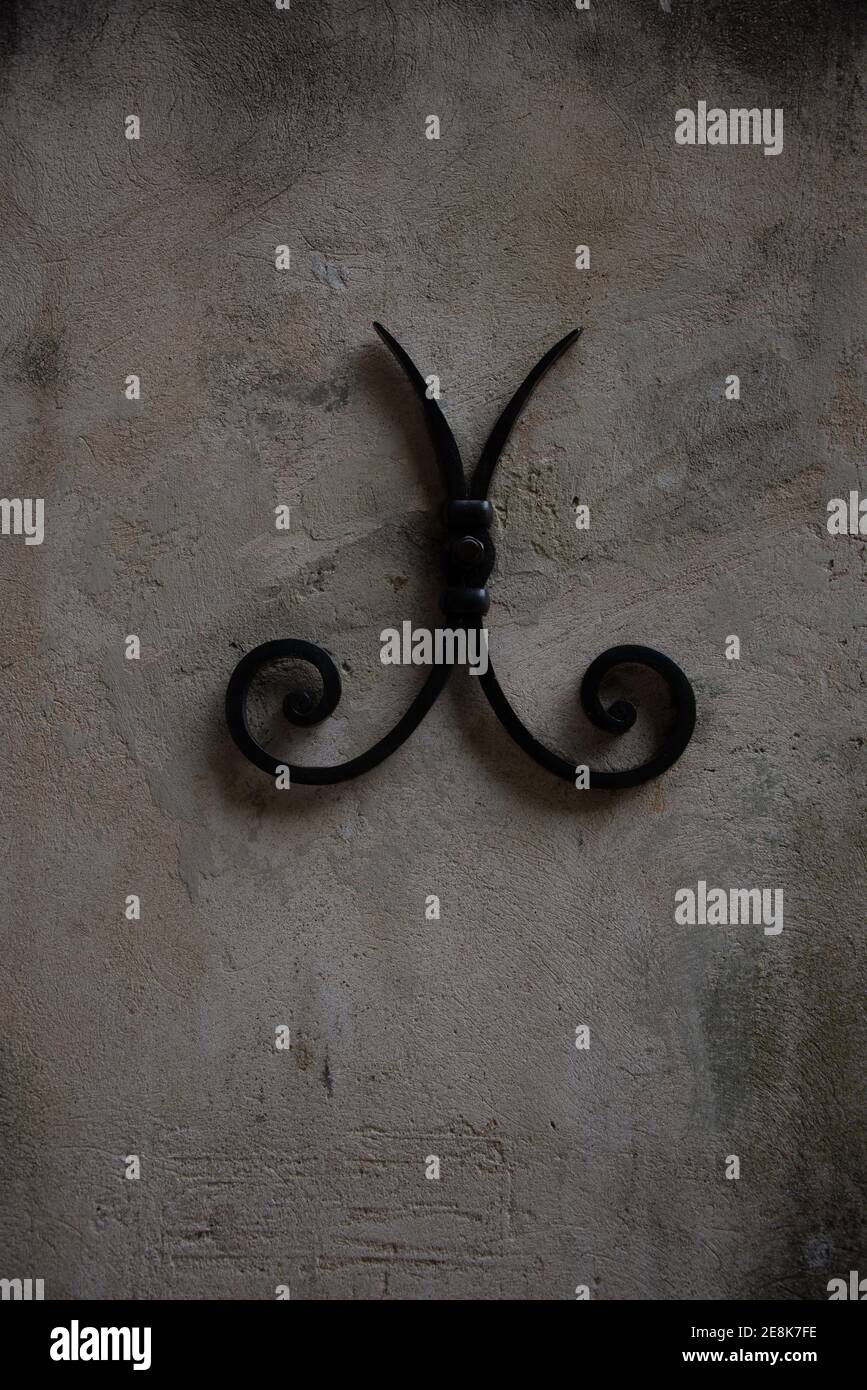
(468, 562)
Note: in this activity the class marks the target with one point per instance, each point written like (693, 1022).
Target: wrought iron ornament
(468, 561)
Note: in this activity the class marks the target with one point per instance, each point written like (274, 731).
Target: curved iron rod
(617, 720)
(496, 440)
(236, 713)
(446, 448)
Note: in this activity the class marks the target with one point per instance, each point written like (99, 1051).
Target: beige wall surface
(411, 1037)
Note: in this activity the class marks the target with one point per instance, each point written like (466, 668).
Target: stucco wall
(559, 1167)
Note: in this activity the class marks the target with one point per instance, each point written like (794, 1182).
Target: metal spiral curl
(617, 719)
(468, 562)
(298, 709)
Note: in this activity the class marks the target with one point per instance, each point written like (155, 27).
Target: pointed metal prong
(447, 451)
(496, 440)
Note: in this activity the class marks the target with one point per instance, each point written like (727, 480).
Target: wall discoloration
(412, 1037)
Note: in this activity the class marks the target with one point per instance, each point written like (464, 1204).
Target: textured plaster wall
(259, 387)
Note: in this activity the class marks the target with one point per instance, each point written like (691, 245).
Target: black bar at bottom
(166, 1338)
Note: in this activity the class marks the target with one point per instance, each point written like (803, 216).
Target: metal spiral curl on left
(468, 561)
